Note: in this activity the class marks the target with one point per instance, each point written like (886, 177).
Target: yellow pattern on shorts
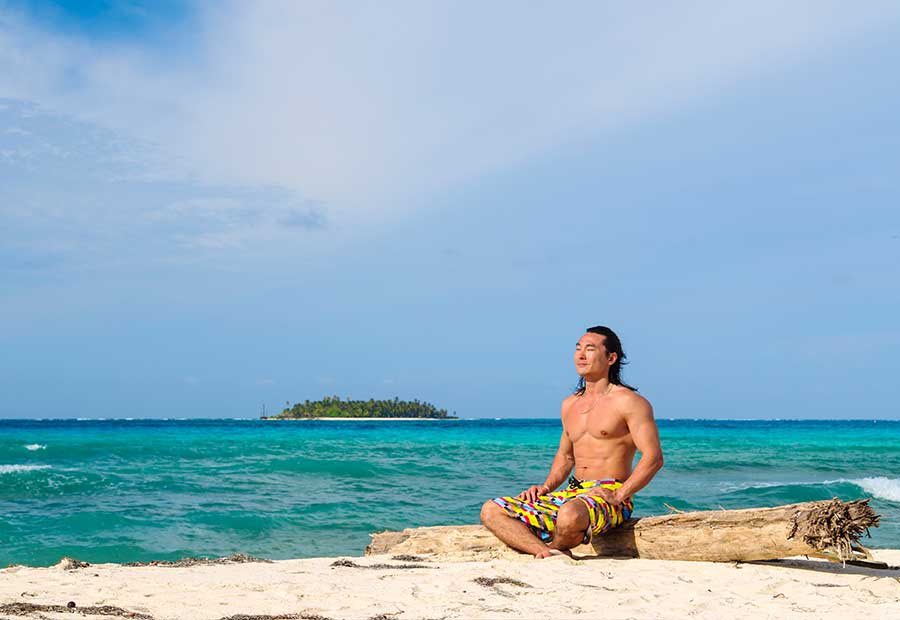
(541, 514)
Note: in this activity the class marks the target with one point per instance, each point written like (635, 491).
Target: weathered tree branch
(827, 529)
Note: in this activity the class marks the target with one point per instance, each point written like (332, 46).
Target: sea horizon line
(457, 419)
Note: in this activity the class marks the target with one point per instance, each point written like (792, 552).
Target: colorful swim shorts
(541, 514)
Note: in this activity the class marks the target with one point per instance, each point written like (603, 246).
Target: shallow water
(118, 491)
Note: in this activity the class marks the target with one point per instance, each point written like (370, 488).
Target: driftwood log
(826, 529)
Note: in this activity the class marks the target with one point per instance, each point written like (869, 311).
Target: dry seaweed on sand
(378, 566)
(490, 582)
(494, 582)
(24, 609)
(403, 557)
(237, 558)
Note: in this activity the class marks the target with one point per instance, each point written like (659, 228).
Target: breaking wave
(15, 469)
(879, 487)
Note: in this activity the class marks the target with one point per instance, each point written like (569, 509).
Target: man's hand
(610, 497)
(531, 493)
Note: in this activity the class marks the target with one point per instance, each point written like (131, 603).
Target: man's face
(591, 358)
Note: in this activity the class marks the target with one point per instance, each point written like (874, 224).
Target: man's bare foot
(550, 552)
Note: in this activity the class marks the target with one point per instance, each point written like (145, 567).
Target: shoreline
(432, 586)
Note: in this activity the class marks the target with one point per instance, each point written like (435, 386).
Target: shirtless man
(604, 423)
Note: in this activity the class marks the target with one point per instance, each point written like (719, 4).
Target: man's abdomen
(599, 460)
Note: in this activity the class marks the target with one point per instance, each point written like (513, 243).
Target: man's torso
(599, 434)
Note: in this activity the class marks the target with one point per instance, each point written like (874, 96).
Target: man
(604, 423)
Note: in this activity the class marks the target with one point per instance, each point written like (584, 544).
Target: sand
(431, 587)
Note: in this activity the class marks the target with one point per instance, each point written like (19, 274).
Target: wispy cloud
(237, 140)
(74, 193)
(364, 108)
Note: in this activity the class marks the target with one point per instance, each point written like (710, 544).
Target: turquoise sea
(138, 490)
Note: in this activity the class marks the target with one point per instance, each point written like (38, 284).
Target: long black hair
(613, 345)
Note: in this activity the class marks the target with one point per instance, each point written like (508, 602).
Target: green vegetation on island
(334, 407)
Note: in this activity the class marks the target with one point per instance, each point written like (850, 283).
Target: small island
(334, 408)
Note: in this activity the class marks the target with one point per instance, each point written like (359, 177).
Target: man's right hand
(531, 493)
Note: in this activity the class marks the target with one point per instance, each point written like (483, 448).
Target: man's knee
(490, 511)
(572, 519)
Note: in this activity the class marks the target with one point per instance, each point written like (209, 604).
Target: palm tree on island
(334, 407)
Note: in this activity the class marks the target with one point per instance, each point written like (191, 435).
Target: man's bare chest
(602, 423)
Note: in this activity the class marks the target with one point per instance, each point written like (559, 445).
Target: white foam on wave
(35, 446)
(878, 486)
(14, 469)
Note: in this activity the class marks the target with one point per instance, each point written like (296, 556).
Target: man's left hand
(611, 497)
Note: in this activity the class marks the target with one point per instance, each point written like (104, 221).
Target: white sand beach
(432, 587)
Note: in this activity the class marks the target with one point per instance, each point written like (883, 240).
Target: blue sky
(209, 206)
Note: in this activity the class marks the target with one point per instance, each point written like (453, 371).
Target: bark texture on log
(829, 529)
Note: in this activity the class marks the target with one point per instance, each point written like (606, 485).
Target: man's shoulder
(568, 400)
(632, 402)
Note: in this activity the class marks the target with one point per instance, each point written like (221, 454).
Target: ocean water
(139, 490)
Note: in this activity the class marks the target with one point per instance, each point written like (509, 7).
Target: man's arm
(559, 470)
(645, 435)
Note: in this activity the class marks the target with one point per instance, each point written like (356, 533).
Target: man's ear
(613, 357)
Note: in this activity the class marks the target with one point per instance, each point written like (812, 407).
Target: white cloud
(72, 193)
(364, 108)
